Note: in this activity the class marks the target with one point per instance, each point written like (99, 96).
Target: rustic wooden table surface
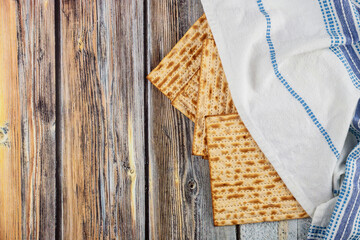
(88, 147)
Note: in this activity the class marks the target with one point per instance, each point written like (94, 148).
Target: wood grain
(29, 107)
(179, 187)
(36, 63)
(102, 125)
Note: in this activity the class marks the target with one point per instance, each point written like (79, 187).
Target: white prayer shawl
(293, 67)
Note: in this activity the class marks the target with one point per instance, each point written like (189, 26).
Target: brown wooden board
(27, 185)
(102, 120)
(10, 135)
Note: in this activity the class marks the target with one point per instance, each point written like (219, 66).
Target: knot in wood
(191, 184)
(4, 140)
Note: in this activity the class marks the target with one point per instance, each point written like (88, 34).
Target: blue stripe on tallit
(317, 232)
(356, 3)
(356, 118)
(356, 10)
(332, 26)
(352, 59)
(344, 223)
(355, 133)
(355, 80)
(292, 91)
(343, 13)
(345, 219)
(346, 18)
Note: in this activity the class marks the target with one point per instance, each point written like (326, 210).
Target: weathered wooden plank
(28, 83)
(282, 230)
(260, 231)
(102, 125)
(36, 52)
(10, 137)
(303, 228)
(179, 184)
(287, 230)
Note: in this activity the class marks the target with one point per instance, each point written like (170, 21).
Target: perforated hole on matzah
(214, 95)
(182, 62)
(245, 187)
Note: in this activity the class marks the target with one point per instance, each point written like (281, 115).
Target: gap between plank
(146, 118)
(58, 219)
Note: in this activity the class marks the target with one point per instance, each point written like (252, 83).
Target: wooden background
(89, 149)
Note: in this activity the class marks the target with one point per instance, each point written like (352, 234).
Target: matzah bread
(182, 62)
(245, 187)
